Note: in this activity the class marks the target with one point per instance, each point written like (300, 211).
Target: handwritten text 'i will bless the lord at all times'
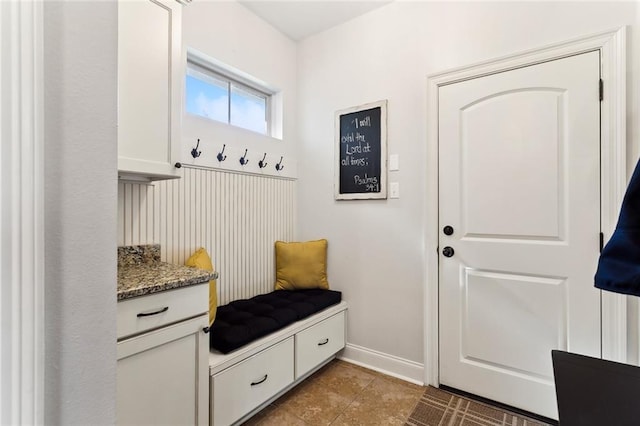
(356, 155)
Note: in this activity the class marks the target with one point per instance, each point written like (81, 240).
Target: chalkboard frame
(382, 194)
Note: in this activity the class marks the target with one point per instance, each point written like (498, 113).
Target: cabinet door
(163, 376)
(149, 86)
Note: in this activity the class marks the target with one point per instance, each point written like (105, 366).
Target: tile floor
(343, 394)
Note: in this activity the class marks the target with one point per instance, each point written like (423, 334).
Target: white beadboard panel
(236, 217)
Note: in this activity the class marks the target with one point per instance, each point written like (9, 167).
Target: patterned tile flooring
(342, 393)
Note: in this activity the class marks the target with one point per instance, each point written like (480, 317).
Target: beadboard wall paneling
(236, 217)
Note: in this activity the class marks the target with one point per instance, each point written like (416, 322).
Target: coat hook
(262, 163)
(194, 152)
(220, 156)
(244, 160)
(279, 166)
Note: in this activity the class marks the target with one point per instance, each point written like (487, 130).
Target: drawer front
(241, 388)
(318, 343)
(156, 310)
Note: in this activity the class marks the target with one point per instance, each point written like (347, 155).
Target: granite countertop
(140, 272)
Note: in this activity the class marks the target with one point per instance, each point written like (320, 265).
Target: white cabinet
(149, 88)
(162, 376)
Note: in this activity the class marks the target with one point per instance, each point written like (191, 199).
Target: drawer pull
(264, 379)
(324, 342)
(148, 314)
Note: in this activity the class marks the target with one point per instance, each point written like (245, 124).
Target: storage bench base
(246, 380)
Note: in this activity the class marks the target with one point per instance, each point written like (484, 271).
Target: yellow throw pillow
(301, 265)
(200, 259)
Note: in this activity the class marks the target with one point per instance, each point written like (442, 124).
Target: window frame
(196, 66)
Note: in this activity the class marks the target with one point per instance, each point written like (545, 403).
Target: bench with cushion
(263, 346)
(243, 321)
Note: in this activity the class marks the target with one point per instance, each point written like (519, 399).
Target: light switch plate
(394, 162)
(394, 190)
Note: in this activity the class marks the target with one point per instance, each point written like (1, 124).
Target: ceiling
(299, 19)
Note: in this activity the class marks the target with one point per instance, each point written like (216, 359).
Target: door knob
(448, 230)
(448, 251)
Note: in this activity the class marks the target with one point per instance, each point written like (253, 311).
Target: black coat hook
(244, 160)
(279, 166)
(194, 152)
(220, 156)
(262, 163)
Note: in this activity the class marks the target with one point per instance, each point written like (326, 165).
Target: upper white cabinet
(149, 88)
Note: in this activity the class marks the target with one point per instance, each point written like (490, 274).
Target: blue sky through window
(210, 99)
(207, 99)
(248, 110)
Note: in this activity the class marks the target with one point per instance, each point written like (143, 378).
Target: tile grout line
(319, 381)
(360, 393)
(353, 400)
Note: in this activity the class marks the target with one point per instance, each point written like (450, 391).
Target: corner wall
(80, 58)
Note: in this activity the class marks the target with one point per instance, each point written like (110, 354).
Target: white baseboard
(384, 363)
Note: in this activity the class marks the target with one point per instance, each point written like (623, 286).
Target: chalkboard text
(359, 137)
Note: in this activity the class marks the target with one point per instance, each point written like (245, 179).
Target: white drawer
(143, 313)
(318, 343)
(241, 388)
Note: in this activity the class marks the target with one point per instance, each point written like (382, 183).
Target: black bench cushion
(242, 321)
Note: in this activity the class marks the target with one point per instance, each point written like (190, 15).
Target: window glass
(248, 110)
(208, 97)
(213, 94)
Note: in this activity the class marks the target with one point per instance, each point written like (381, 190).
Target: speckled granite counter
(141, 272)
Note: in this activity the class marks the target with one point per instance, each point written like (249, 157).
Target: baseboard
(384, 363)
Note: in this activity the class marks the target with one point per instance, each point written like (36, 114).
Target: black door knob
(448, 230)
(447, 251)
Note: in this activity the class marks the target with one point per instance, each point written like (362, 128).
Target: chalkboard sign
(361, 152)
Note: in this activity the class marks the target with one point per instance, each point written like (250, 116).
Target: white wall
(80, 43)
(377, 248)
(231, 34)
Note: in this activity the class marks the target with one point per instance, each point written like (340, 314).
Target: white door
(519, 186)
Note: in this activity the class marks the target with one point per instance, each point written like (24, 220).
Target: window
(222, 96)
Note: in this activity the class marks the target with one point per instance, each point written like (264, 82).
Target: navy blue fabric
(243, 321)
(619, 264)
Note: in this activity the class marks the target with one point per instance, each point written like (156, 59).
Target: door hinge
(601, 90)
(601, 242)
